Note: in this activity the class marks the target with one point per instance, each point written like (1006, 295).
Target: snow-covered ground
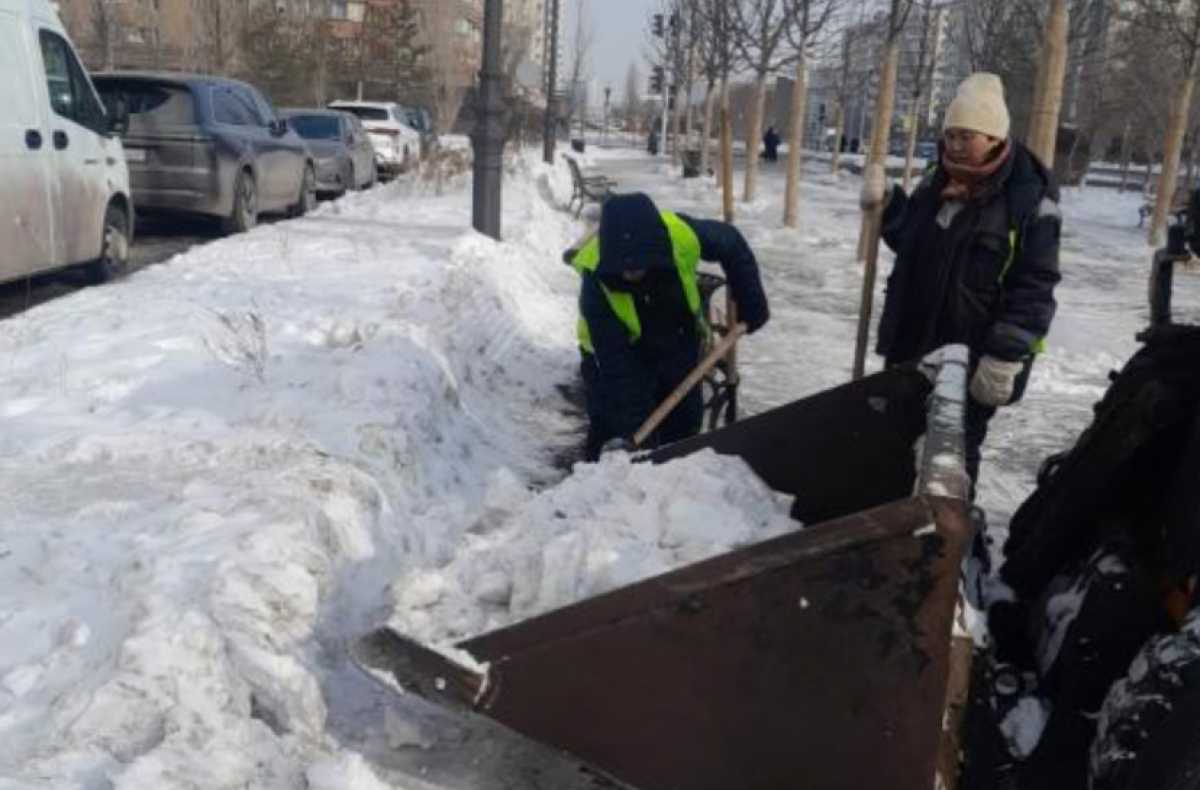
(218, 471)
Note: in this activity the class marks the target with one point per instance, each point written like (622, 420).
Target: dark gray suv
(210, 146)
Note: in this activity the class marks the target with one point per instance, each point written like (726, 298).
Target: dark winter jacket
(985, 278)
(633, 376)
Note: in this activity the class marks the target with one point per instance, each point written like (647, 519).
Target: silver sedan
(339, 144)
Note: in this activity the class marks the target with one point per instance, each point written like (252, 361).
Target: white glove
(619, 444)
(994, 380)
(875, 187)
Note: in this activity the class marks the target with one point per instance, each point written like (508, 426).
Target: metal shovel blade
(814, 660)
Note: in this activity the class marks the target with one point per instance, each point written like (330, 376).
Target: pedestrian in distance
(976, 248)
(771, 142)
(641, 320)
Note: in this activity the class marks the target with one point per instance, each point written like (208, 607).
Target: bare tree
(721, 37)
(1177, 25)
(920, 73)
(761, 28)
(809, 18)
(709, 64)
(873, 206)
(219, 26)
(844, 88)
(107, 26)
(581, 58)
(1052, 67)
(447, 81)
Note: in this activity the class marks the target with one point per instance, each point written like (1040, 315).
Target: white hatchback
(64, 185)
(396, 143)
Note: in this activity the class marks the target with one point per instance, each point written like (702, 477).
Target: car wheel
(114, 252)
(372, 177)
(308, 193)
(245, 205)
(351, 178)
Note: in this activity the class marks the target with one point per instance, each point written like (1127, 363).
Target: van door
(27, 232)
(78, 125)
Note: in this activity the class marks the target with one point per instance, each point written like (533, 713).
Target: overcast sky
(620, 38)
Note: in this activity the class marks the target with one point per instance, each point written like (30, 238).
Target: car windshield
(366, 113)
(315, 127)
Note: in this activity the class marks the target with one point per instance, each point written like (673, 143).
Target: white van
(64, 186)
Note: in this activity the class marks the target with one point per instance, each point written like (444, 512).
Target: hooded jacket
(984, 275)
(633, 372)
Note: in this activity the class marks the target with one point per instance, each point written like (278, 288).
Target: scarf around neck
(964, 181)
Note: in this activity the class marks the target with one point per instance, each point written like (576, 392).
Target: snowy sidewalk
(814, 287)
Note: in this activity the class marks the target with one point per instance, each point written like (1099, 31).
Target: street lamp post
(551, 87)
(487, 139)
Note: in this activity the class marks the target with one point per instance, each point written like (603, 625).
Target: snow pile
(212, 471)
(216, 471)
(608, 525)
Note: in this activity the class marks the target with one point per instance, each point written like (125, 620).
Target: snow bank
(220, 470)
(212, 470)
(608, 525)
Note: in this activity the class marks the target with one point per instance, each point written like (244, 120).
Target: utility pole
(551, 84)
(487, 139)
(607, 95)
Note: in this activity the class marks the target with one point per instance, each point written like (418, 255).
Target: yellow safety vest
(685, 247)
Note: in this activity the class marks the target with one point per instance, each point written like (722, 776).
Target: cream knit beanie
(979, 106)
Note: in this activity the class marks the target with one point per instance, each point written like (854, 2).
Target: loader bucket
(817, 659)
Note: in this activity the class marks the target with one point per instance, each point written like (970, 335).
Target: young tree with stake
(760, 29)
(809, 18)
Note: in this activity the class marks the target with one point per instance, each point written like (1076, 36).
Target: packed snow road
(156, 240)
(219, 470)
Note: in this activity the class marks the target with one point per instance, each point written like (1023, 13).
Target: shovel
(668, 405)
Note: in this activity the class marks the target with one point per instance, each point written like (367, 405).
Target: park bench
(1178, 210)
(587, 189)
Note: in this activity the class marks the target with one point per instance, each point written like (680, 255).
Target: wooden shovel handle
(667, 406)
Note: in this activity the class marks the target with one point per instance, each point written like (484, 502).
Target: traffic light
(656, 80)
(657, 25)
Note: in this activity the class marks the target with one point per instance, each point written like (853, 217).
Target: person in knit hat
(976, 247)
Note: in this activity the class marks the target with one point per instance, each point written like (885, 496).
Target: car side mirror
(118, 117)
(279, 128)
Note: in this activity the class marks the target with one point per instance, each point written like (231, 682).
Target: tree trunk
(1126, 154)
(676, 123)
(1043, 127)
(837, 138)
(753, 135)
(1180, 109)
(791, 213)
(710, 99)
(726, 153)
(885, 105)
(910, 150)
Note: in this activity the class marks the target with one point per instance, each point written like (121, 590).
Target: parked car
(210, 146)
(396, 143)
(422, 122)
(64, 186)
(344, 157)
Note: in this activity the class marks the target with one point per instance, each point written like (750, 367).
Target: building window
(338, 9)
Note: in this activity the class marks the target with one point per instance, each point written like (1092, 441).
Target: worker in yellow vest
(641, 322)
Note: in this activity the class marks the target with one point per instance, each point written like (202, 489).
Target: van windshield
(149, 103)
(315, 127)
